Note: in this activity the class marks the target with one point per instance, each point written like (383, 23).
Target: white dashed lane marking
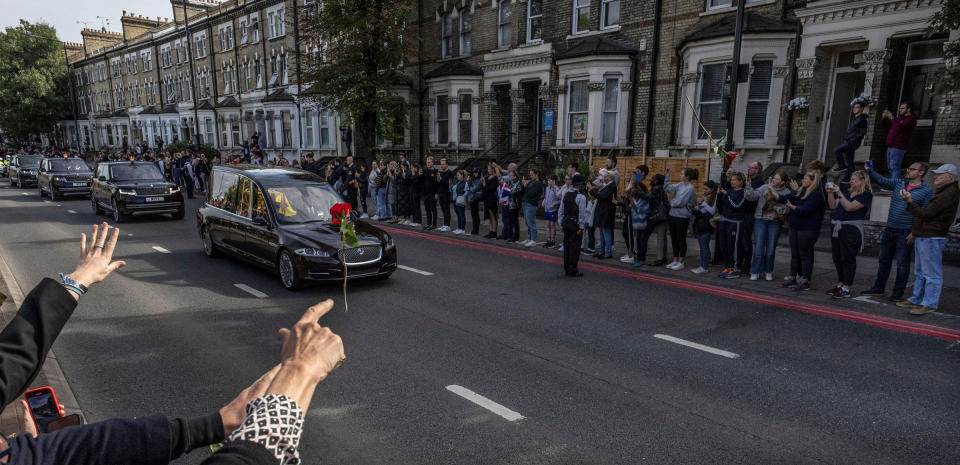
(71, 211)
(425, 273)
(694, 345)
(488, 404)
(250, 290)
(160, 249)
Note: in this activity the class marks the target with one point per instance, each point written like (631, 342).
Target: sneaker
(790, 278)
(907, 304)
(734, 274)
(678, 266)
(872, 291)
(833, 290)
(375, 218)
(364, 216)
(768, 276)
(457, 232)
(754, 276)
(660, 262)
(699, 270)
(921, 310)
(466, 233)
(844, 293)
(802, 285)
(639, 264)
(589, 251)
(560, 248)
(723, 273)
(415, 225)
(626, 259)
(895, 298)
(607, 256)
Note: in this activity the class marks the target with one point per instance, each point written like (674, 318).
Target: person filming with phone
(309, 353)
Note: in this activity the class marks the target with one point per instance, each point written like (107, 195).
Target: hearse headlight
(312, 252)
(127, 191)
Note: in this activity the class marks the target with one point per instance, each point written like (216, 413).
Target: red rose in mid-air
(731, 157)
(340, 211)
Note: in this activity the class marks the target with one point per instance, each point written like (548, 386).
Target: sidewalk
(823, 278)
(50, 374)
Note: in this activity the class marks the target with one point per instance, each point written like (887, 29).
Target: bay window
(713, 88)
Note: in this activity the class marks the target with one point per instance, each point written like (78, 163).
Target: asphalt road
(595, 366)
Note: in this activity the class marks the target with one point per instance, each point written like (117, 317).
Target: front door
(847, 85)
(923, 91)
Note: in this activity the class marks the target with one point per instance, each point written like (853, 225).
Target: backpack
(660, 207)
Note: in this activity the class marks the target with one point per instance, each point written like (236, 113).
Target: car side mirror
(102, 178)
(260, 221)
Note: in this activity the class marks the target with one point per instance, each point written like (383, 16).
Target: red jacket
(899, 131)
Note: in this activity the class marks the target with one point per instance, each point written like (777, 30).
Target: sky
(64, 14)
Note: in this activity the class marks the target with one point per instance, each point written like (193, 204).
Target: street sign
(548, 120)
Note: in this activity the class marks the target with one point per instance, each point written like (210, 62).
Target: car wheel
(117, 216)
(209, 248)
(288, 272)
(179, 214)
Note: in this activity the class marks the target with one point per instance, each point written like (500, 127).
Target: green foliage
(360, 62)
(33, 80)
(206, 150)
(348, 235)
(942, 22)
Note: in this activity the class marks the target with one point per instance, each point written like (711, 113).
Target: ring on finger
(99, 245)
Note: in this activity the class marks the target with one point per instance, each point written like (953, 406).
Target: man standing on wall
(856, 129)
(899, 131)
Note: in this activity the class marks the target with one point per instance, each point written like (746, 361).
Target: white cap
(948, 168)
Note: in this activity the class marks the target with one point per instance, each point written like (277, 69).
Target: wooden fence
(658, 165)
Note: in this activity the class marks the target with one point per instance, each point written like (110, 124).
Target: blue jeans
(704, 240)
(893, 246)
(461, 216)
(845, 153)
(929, 271)
(505, 221)
(765, 233)
(530, 217)
(373, 197)
(606, 241)
(894, 160)
(382, 203)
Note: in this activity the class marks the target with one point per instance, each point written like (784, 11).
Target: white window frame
(765, 101)
(569, 113)
(531, 18)
(604, 110)
(323, 123)
(466, 33)
(460, 120)
(712, 5)
(243, 30)
(446, 36)
(579, 5)
(502, 26)
(604, 9)
(445, 122)
(700, 103)
(254, 28)
(308, 127)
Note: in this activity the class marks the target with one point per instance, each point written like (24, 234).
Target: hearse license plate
(154, 199)
(79, 184)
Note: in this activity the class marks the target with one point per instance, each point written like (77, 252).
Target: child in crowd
(551, 203)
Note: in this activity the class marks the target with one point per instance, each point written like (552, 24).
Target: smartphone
(870, 164)
(44, 407)
(831, 186)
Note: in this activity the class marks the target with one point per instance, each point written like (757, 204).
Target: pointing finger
(83, 245)
(315, 312)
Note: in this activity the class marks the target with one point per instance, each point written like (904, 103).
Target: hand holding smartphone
(44, 407)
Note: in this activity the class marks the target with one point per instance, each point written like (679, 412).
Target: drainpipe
(420, 90)
(655, 57)
(788, 139)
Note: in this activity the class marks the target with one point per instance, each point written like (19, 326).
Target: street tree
(33, 80)
(355, 62)
(943, 21)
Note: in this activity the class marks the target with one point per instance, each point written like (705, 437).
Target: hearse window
(243, 197)
(225, 194)
(259, 204)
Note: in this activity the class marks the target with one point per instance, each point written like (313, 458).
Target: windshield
(134, 172)
(30, 162)
(72, 165)
(303, 203)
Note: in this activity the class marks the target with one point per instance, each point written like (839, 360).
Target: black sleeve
(189, 434)
(241, 453)
(144, 441)
(24, 342)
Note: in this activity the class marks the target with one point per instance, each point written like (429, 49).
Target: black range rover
(130, 188)
(64, 176)
(23, 169)
(279, 219)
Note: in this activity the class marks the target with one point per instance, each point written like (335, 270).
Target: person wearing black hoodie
(807, 205)
(856, 129)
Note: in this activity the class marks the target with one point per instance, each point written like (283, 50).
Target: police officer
(573, 218)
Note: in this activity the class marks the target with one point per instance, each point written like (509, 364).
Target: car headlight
(311, 252)
(174, 190)
(127, 192)
(388, 240)
(58, 179)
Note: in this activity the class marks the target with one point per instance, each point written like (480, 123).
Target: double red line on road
(893, 323)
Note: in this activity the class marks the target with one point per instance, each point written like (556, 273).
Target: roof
(275, 175)
(454, 68)
(172, 108)
(151, 110)
(595, 46)
(279, 95)
(228, 102)
(205, 105)
(121, 113)
(753, 23)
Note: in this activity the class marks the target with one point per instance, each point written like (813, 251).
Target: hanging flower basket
(799, 103)
(862, 99)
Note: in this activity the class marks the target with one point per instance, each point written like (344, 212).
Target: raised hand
(96, 256)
